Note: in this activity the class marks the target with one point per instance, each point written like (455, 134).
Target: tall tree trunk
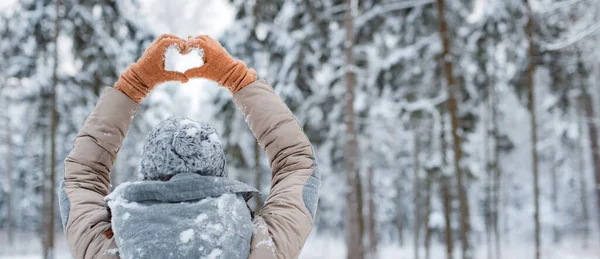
(400, 209)
(588, 108)
(487, 212)
(416, 194)
(445, 190)
(497, 174)
(361, 208)
(427, 216)
(44, 188)
(257, 174)
(8, 187)
(554, 199)
(453, 108)
(371, 217)
(585, 220)
(355, 249)
(49, 249)
(534, 154)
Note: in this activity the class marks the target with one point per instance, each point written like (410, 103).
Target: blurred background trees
(447, 128)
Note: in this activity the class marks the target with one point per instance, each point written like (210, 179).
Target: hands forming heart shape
(211, 59)
(176, 62)
(217, 65)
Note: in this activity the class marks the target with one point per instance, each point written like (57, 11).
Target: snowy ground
(318, 247)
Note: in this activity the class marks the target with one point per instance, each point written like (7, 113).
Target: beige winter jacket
(282, 225)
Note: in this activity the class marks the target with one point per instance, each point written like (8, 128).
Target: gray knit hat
(180, 145)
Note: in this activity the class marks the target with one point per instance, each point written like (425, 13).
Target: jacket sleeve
(87, 176)
(290, 209)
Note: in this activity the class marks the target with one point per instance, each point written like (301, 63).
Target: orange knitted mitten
(149, 70)
(219, 66)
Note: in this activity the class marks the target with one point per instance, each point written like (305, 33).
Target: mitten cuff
(238, 77)
(131, 85)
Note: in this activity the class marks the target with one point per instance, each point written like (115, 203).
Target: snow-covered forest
(443, 128)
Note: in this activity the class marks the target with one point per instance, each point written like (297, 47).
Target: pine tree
(44, 91)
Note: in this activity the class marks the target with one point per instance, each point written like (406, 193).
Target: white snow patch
(223, 203)
(201, 218)
(215, 228)
(214, 138)
(266, 242)
(187, 122)
(261, 31)
(215, 253)
(478, 11)
(175, 61)
(186, 236)
(204, 237)
(112, 251)
(191, 132)
(260, 227)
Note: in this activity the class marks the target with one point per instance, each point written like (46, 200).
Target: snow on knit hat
(180, 145)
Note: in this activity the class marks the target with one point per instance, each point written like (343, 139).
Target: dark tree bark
(585, 220)
(531, 105)
(465, 224)
(50, 181)
(489, 180)
(416, 194)
(428, 190)
(445, 191)
(400, 219)
(371, 216)
(355, 249)
(497, 174)
(588, 108)
(8, 187)
(554, 199)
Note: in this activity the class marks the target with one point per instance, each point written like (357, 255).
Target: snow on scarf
(189, 216)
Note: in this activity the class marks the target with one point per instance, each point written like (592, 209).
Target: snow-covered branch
(382, 9)
(572, 39)
(557, 6)
(426, 104)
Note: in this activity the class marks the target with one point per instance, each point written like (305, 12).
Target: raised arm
(290, 209)
(85, 217)
(87, 175)
(288, 214)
